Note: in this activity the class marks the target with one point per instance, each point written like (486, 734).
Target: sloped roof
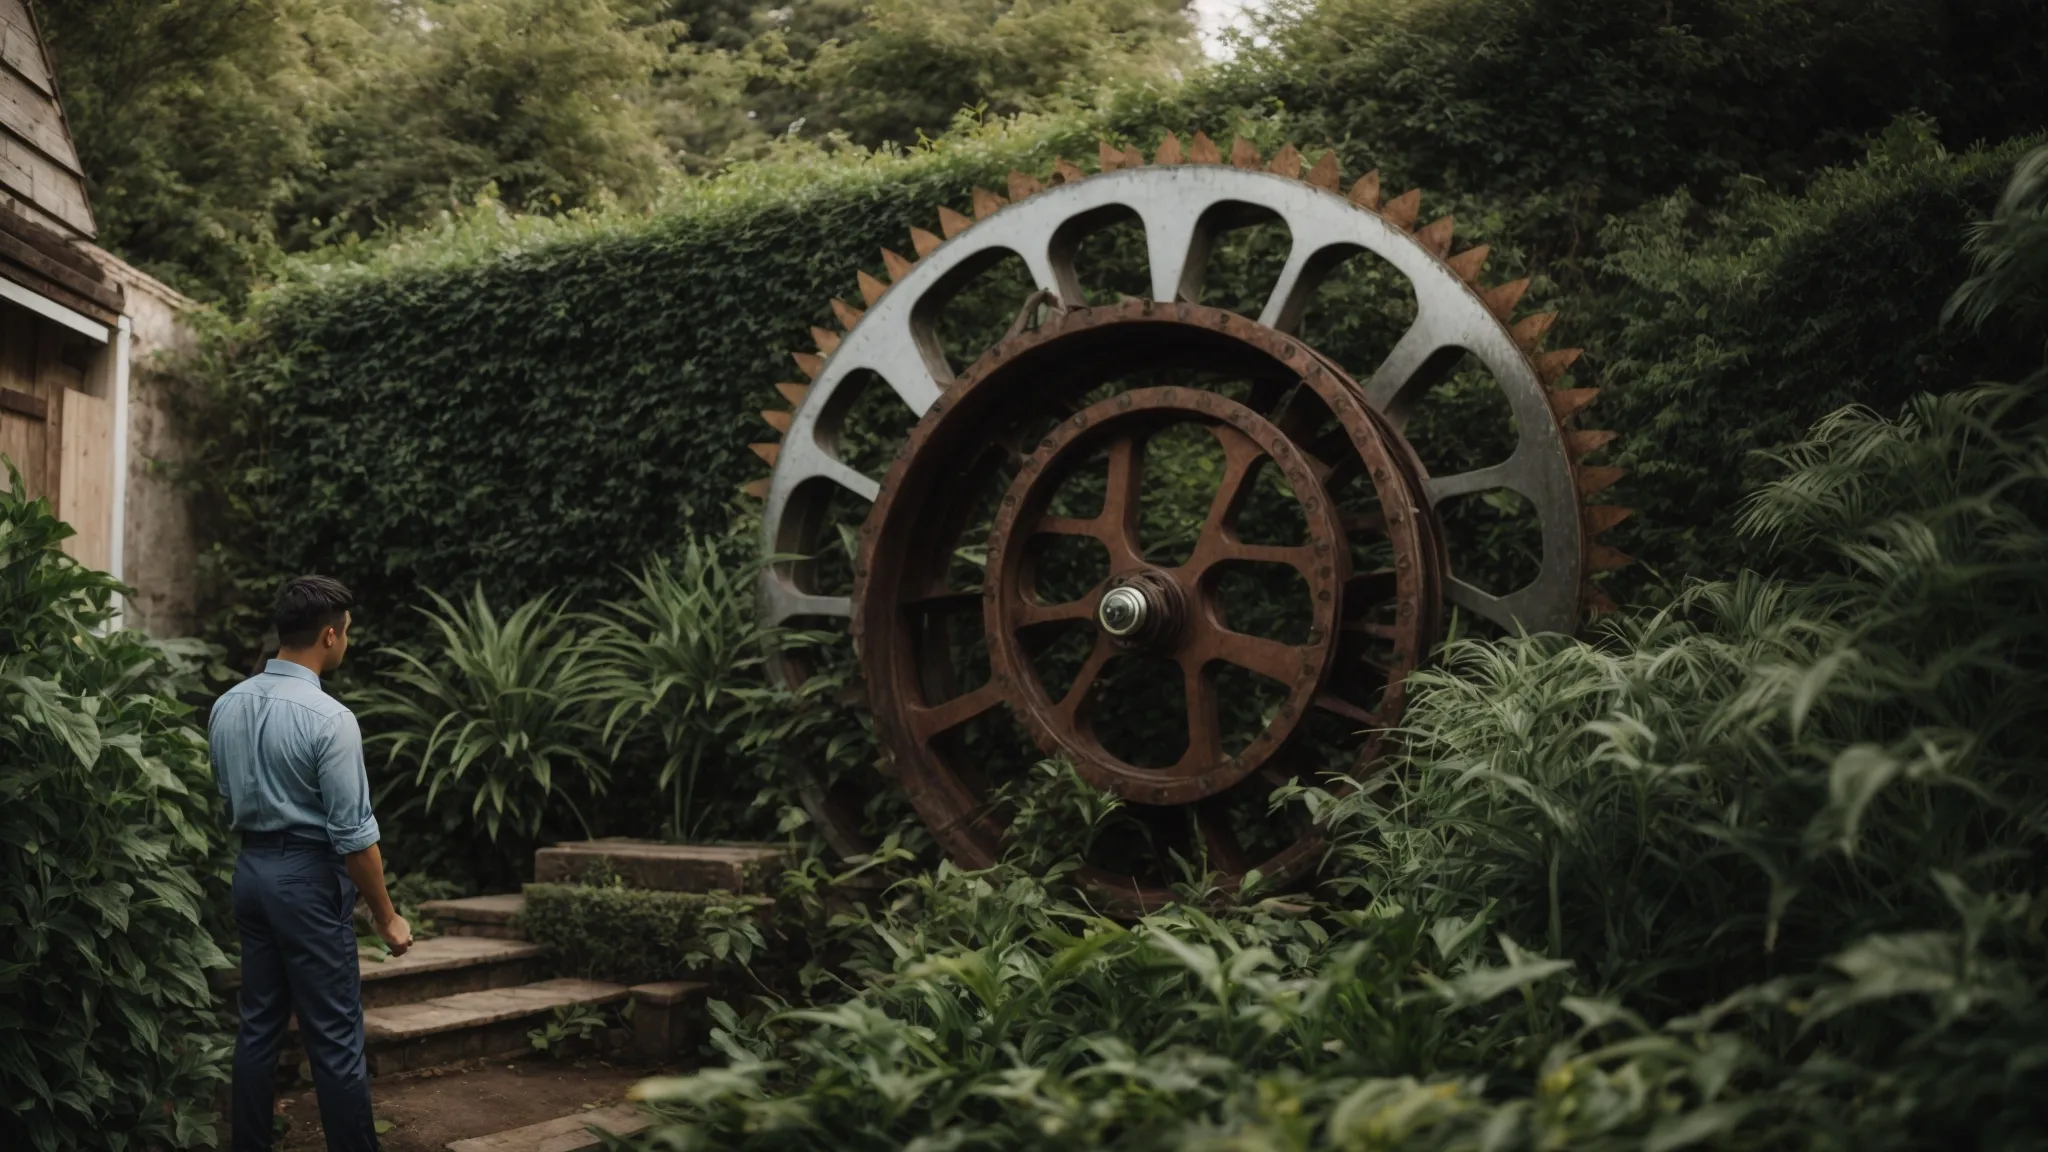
(39, 173)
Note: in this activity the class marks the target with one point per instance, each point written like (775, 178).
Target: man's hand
(366, 868)
(396, 934)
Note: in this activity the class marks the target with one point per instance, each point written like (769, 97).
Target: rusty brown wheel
(901, 362)
(1284, 425)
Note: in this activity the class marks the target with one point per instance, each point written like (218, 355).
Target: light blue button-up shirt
(287, 755)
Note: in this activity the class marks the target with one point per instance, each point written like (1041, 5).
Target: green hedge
(635, 936)
(533, 406)
(1714, 353)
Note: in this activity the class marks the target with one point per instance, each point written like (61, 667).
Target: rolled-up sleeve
(345, 787)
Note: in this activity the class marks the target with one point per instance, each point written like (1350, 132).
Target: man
(289, 760)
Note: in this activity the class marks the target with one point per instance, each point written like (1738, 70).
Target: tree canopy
(220, 134)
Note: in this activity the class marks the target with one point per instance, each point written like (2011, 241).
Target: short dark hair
(308, 606)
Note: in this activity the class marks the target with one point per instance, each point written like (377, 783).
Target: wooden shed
(70, 315)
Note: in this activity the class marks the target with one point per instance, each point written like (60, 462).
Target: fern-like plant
(680, 663)
(500, 722)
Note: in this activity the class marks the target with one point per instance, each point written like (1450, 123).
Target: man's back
(288, 755)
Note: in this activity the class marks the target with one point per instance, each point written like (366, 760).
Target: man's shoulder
(265, 689)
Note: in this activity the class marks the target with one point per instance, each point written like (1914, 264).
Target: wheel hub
(1143, 612)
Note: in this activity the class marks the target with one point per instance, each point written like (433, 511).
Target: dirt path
(428, 1109)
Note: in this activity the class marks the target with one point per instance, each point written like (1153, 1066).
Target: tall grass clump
(679, 664)
(1762, 869)
(492, 736)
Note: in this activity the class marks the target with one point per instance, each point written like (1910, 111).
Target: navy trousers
(294, 903)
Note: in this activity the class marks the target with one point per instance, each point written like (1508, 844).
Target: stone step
(493, 917)
(566, 1134)
(469, 1025)
(736, 868)
(446, 965)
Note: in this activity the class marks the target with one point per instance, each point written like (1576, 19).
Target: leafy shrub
(1760, 870)
(635, 936)
(1715, 352)
(111, 864)
(498, 725)
(680, 665)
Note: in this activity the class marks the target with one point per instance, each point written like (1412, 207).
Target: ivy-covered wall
(532, 406)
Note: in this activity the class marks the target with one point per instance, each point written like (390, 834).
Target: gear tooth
(1597, 478)
(1203, 150)
(923, 242)
(1601, 517)
(1599, 601)
(758, 489)
(1243, 155)
(986, 203)
(1366, 192)
(1601, 558)
(1501, 301)
(1066, 171)
(1588, 441)
(777, 419)
(1169, 150)
(826, 339)
(845, 313)
(1325, 174)
(1565, 402)
(1286, 162)
(871, 289)
(767, 452)
(1402, 210)
(1111, 158)
(1552, 365)
(794, 393)
(1023, 186)
(898, 266)
(1529, 332)
(952, 223)
(1437, 236)
(1470, 263)
(809, 362)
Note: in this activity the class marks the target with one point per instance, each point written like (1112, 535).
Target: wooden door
(85, 499)
(28, 419)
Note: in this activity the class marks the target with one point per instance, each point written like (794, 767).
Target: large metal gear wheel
(1009, 560)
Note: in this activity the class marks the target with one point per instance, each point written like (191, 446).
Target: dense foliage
(112, 880)
(219, 134)
(1761, 869)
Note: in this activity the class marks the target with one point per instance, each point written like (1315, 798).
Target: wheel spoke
(929, 722)
(1067, 526)
(947, 601)
(1269, 658)
(1443, 488)
(1074, 705)
(1030, 615)
(1370, 588)
(1372, 521)
(1220, 844)
(1205, 734)
(1240, 455)
(1417, 363)
(1120, 500)
(1330, 702)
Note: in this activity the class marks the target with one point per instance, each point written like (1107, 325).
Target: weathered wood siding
(39, 172)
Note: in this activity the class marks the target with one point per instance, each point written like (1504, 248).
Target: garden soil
(427, 1109)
